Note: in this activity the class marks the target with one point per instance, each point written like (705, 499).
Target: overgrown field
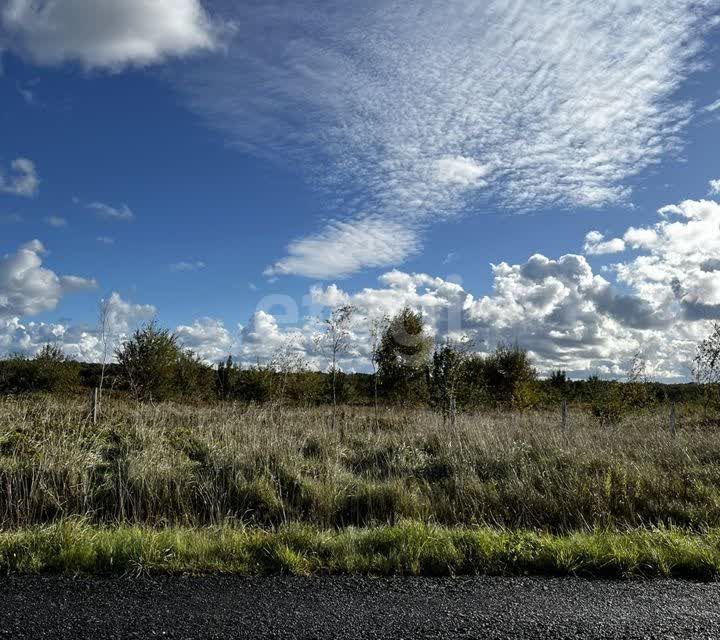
(268, 466)
(244, 471)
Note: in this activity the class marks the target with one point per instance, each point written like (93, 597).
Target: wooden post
(94, 405)
(673, 423)
(563, 414)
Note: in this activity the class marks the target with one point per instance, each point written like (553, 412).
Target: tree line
(408, 368)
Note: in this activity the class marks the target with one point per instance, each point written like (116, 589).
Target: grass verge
(409, 548)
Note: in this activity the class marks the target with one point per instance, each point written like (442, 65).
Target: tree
(226, 381)
(377, 328)
(286, 362)
(104, 313)
(448, 373)
(509, 376)
(149, 362)
(706, 366)
(558, 379)
(334, 341)
(403, 357)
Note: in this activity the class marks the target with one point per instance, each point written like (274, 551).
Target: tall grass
(268, 466)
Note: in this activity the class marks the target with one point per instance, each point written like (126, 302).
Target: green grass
(408, 548)
(266, 489)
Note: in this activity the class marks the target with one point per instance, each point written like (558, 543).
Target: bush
(156, 368)
(49, 371)
(510, 377)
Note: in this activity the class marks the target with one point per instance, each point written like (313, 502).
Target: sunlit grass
(408, 548)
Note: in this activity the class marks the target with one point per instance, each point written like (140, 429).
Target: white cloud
(345, 247)
(596, 245)
(178, 267)
(23, 179)
(712, 107)
(676, 272)
(641, 238)
(56, 221)
(77, 341)
(564, 101)
(208, 338)
(462, 171)
(568, 316)
(105, 240)
(123, 212)
(124, 316)
(714, 187)
(106, 33)
(27, 288)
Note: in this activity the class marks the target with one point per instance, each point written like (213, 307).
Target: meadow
(251, 488)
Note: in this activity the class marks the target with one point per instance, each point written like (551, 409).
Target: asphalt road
(281, 607)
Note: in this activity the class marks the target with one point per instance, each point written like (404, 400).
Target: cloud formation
(106, 33)
(596, 245)
(564, 312)
(658, 299)
(527, 104)
(342, 248)
(22, 179)
(27, 288)
(81, 342)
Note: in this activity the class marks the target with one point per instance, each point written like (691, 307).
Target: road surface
(283, 607)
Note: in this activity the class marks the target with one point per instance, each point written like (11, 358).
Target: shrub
(50, 371)
(156, 368)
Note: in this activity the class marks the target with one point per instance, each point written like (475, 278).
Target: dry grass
(269, 466)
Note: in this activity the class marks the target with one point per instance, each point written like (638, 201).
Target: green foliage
(706, 371)
(49, 371)
(510, 377)
(558, 379)
(156, 368)
(403, 358)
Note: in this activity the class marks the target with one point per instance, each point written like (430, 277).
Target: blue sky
(223, 165)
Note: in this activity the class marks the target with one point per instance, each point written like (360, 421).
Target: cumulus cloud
(208, 338)
(123, 316)
(567, 315)
(28, 288)
(22, 179)
(526, 104)
(676, 270)
(106, 33)
(80, 341)
(596, 245)
(659, 302)
(714, 187)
